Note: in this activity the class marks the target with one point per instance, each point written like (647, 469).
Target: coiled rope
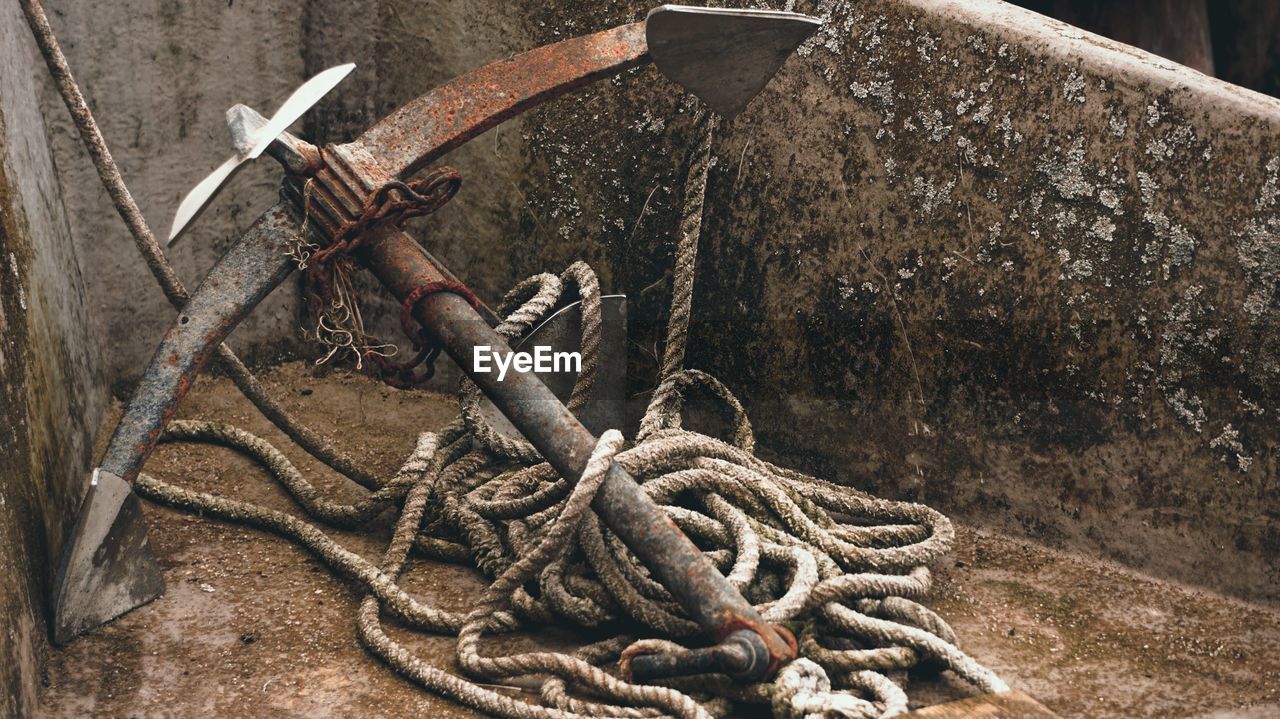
(843, 569)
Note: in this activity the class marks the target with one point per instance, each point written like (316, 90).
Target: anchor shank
(401, 265)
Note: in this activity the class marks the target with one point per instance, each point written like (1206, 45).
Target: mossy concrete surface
(961, 253)
(1025, 274)
(51, 393)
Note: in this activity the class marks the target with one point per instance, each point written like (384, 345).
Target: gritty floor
(252, 626)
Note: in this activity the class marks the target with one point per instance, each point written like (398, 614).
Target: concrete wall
(52, 392)
(965, 254)
(957, 252)
(1030, 276)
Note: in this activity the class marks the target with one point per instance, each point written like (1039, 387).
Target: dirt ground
(253, 626)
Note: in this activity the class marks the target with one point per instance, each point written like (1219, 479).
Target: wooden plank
(1006, 705)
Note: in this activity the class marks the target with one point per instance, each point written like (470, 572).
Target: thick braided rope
(695, 194)
(773, 526)
(690, 231)
(849, 587)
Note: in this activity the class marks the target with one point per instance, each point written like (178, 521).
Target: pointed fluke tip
(724, 56)
(107, 566)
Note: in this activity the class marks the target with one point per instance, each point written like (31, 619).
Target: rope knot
(340, 325)
(803, 691)
(395, 202)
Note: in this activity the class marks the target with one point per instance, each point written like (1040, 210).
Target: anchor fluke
(724, 56)
(110, 569)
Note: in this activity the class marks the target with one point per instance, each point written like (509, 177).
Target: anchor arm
(444, 119)
(251, 269)
(107, 568)
(724, 56)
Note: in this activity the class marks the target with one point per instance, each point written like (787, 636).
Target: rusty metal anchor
(723, 56)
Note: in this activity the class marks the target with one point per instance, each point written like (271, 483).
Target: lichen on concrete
(969, 205)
